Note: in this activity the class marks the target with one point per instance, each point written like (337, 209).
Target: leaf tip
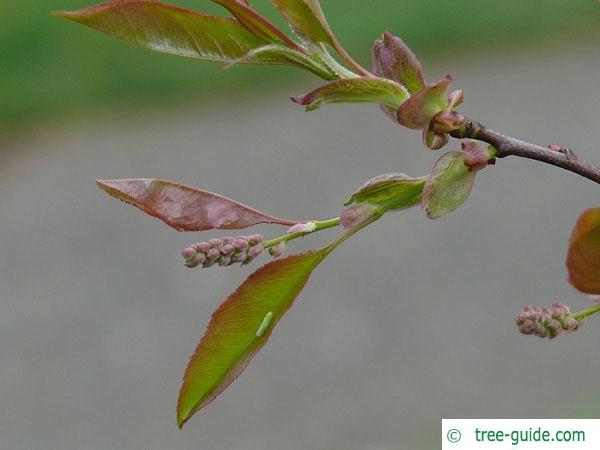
(75, 16)
(59, 13)
(107, 185)
(181, 418)
(388, 35)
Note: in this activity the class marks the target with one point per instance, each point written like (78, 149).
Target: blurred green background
(51, 69)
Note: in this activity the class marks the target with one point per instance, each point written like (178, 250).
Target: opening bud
(446, 121)
(305, 227)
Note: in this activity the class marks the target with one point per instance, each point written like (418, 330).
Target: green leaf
(306, 19)
(177, 31)
(241, 326)
(583, 258)
(391, 191)
(355, 90)
(186, 208)
(293, 58)
(448, 185)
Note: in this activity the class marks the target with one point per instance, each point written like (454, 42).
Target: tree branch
(508, 146)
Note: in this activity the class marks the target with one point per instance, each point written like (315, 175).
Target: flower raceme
(224, 252)
(547, 322)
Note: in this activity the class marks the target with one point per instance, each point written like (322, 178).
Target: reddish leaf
(583, 259)
(186, 208)
(420, 108)
(240, 327)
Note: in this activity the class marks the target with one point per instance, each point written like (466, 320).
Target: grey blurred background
(408, 323)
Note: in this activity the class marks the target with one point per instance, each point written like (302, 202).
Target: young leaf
(391, 191)
(186, 208)
(174, 30)
(448, 185)
(420, 108)
(434, 140)
(583, 258)
(393, 59)
(355, 90)
(256, 23)
(293, 57)
(306, 19)
(240, 327)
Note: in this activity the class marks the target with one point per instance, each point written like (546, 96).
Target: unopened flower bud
(594, 298)
(559, 311)
(227, 249)
(547, 322)
(571, 324)
(240, 244)
(215, 243)
(255, 251)
(199, 259)
(192, 261)
(201, 246)
(255, 239)
(278, 249)
(188, 252)
(305, 227)
(213, 254)
(240, 257)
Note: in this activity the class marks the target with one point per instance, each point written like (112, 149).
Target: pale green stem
(579, 315)
(376, 216)
(319, 225)
(332, 63)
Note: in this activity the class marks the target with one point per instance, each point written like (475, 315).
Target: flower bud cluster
(224, 252)
(547, 322)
